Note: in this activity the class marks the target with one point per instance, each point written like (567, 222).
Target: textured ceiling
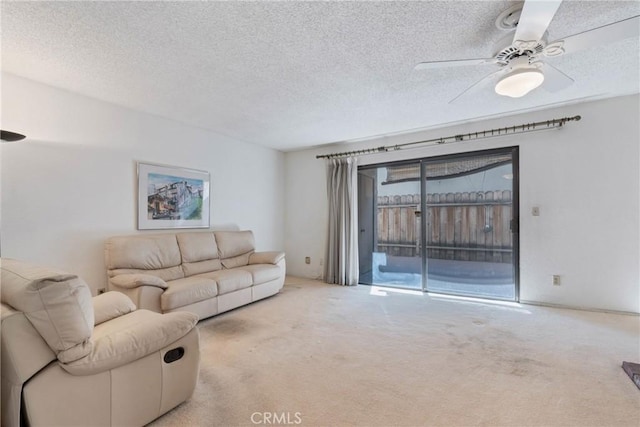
(290, 75)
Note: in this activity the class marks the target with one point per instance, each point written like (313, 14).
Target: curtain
(341, 265)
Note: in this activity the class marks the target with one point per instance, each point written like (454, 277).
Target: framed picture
(172, 197)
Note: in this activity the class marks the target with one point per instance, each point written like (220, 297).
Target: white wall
(584, 177)
(72, 182)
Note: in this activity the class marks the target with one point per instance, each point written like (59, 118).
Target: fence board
(472, 226)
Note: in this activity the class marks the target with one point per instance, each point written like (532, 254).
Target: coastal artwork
(172, 197)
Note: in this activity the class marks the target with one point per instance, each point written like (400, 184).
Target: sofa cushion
(58, 305)
(199, 253)
(110, 305)
(262, 273)
(145, 252)
(236, 261)
(171, 273)
(230, 280)
(197, 246)
(187, 291)
(271, 257)
(132, 281)
(193, 268)
(235, 247)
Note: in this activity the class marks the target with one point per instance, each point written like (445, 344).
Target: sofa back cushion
(199, 252)
(235, 247)
(58, 305)
(148, 254)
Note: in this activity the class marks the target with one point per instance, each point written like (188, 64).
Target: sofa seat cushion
(187, 291)
(230, 280)
(262, 273)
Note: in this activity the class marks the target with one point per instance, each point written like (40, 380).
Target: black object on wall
(5, 135)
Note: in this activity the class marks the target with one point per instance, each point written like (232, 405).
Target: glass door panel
(390, 227)
(468, 226)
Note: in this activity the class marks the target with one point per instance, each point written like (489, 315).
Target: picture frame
(172, 197)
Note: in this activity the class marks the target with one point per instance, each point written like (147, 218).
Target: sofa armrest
(131, 337)
(266, 257)
(131, 281)
(110, 305)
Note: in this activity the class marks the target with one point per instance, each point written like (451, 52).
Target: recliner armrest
(131, 337)
(131, 281)
(266, 257)
(110, 305)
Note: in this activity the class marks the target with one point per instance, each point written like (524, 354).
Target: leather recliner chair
(70, 359)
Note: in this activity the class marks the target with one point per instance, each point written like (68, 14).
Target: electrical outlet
(556, 280)
(102, 291)
(307, 260)
(320, 261)
(535, 211)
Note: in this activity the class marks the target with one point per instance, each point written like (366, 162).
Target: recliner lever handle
(173, 355)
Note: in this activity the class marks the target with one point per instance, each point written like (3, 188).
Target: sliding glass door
(470, 225)
(389, 220)
(445, 225)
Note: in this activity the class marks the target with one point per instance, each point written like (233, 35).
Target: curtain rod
(491, 133)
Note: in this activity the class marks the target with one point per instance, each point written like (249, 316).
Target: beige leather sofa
(203, 272)
(72, 360)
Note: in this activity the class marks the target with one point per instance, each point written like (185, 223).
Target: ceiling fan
(521, 57)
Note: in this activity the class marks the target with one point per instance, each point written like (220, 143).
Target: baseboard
(571, 307)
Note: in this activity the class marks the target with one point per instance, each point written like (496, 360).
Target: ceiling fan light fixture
(519, 82)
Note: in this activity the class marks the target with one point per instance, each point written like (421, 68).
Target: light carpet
(326, 355)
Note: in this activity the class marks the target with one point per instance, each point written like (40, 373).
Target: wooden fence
(472, 226)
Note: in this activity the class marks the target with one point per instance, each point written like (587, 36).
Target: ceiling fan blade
(610, 33)
(535, 19)
(454, 63)
(554, 79)
(478, 86)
